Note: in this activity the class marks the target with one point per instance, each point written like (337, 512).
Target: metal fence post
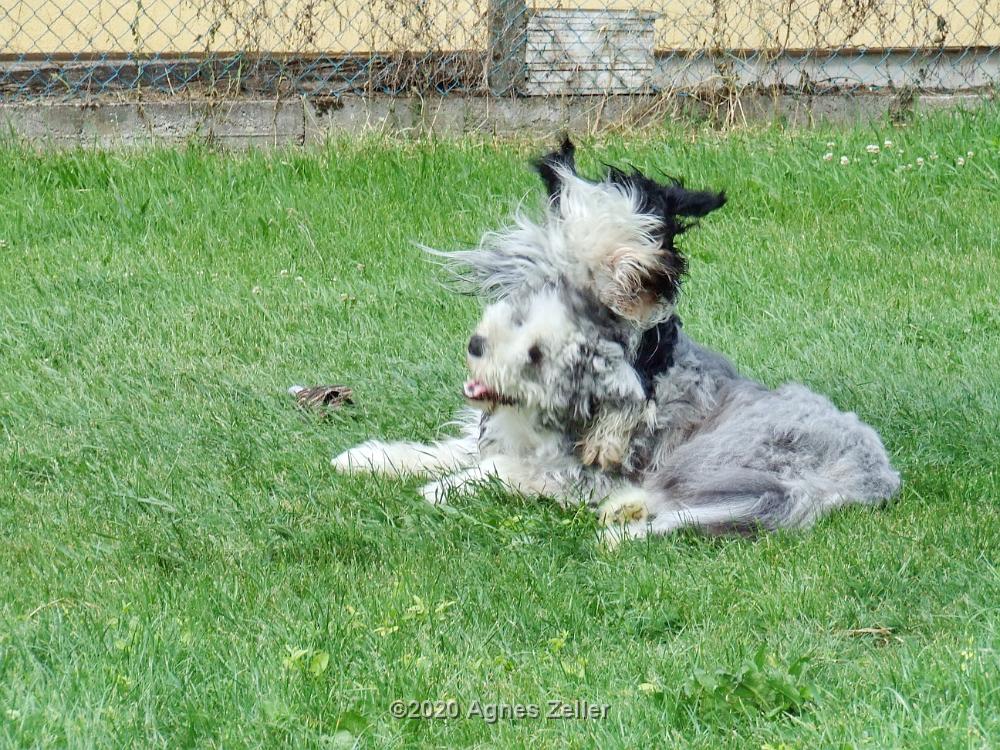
(508, 32)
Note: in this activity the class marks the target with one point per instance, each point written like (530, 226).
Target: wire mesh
(134, 49)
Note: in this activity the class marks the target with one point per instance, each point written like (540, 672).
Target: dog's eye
(535, 354)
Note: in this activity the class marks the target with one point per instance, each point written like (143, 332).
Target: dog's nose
(476, 346)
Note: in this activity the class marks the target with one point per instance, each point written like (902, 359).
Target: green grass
(180, 566)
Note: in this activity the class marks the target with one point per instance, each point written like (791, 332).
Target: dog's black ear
(638, 285)
(666, 199)
(694, 202)
(548, 167)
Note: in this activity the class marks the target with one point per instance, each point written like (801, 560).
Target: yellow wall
(310, 26)
(807, 24)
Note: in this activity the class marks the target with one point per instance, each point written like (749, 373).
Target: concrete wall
(297, 122)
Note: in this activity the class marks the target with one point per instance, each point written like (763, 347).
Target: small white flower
(828, 156)
(920, 161)
(256, 290)
(844, 161)
(829, 144)
(283, 272)
(970, 154)
(872, 148)
(933, 157)
(887, 143)
(299, 278)
(960, 162)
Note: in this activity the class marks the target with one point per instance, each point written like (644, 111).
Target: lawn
(181, 567)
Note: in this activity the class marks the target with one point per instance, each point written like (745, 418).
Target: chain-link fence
(323, 48)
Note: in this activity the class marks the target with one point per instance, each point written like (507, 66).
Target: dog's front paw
(605, 453)
(368, 458)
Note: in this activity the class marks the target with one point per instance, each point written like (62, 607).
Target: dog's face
(547, 350)
(613, 237)
(574, 294)
(521, 351)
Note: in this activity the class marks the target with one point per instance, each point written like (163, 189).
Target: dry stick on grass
(321, 398)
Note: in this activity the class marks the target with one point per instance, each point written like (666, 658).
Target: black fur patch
(656, 352)
(546, 167)
(669, 202)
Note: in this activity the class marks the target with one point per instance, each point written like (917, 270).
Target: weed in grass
(759, 686)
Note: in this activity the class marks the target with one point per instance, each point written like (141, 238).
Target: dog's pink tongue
(474, 389)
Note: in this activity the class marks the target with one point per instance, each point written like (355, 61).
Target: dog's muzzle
(480, 393)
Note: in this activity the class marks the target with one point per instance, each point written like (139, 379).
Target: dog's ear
(552, 164)
(679, 202)
(696, 203)
(637, 282)
(643, 283)
(667, 200)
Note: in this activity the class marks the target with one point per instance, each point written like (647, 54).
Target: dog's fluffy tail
(738, 501)
(744, 501)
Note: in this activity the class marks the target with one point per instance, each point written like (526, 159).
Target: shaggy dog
(587, 390)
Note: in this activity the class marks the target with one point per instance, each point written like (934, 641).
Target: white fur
(404, 458)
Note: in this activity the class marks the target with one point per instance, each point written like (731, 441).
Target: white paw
(367, 458)
(612, 536)
(626, 506)
(435, 493)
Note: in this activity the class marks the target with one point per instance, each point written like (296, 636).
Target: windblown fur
(614, 236)
(586, 389)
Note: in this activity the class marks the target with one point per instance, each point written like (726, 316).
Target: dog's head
(554, 350)
(614, 237)
(621, 231)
